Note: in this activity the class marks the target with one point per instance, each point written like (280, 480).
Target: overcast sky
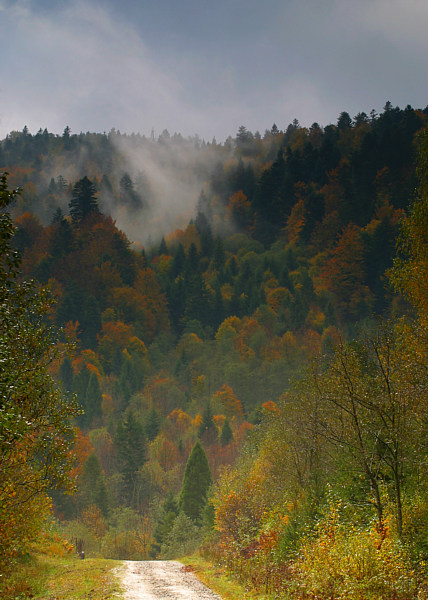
(206, 66)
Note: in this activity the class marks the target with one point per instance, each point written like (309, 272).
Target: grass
(44, 577)
(218, 580)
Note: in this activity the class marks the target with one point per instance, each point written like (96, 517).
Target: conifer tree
(164, 523)
(163, 248)
(196, 482)
(83, 201)
(152, 424)
(92, 485)
(207, 427)
(66, 375)
(226, 435)
(130, 445)
(93, 399)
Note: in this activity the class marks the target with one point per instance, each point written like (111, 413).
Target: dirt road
(162, 580)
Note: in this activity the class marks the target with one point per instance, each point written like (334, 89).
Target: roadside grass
(44, 577)
(218, 580)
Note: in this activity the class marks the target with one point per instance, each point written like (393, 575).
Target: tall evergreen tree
(196, 482)
(93, 399)
(164, 523)
(226, 435)
(83, 201)
(130, 443)
(153, 424)
(92, 486)
(66, 375)
(207, 429)
(128, 195)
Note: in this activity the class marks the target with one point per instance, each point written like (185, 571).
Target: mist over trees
(249, 330)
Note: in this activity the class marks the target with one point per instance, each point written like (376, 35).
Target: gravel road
(162, 580)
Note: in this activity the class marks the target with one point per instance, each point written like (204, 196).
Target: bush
(350, 563)
(184, 538)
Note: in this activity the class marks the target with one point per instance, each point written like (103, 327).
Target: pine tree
(207, 429)
(163, 248)
(83, 201)
(66, 375)
(128, 195)
(164, 523)
(152, 424)
(93, 399)
(196, 482)
(226, 435)
(130, 445)
(92, 487)
(219, 254)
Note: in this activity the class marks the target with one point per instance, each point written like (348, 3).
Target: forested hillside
(241, 295)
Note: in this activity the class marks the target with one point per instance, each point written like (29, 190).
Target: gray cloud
(210, 67)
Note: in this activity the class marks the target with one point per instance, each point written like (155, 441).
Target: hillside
(197, 282)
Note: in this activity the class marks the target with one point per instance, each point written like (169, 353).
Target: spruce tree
(93, 399)
(93, 489)
(66, 375)
(153, 424)
(164, 523)
(130, 443)
(83, 201)
(196, 482)
(207, 429)
(226, 435)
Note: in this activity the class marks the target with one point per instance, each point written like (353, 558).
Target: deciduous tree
(36, 434)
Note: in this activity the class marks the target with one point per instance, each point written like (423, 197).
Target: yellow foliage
(181, 419)
(218, 421)
(352, 563)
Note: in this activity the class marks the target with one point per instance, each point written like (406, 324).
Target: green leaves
(36, 433)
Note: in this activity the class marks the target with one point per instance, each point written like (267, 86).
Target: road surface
(162, 580)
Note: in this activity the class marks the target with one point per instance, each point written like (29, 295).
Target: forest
(221, 347)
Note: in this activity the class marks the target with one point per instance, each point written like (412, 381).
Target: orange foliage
(71, 331)
(344, 273)
(197, 421)
(18, 174)
(238, 209)
(94, 521)
(218, 421)
(232, 405)
(114, 335)
(312, 342)
(315, 318)
(187, 237)
(162, 263)
(270, 407)
(82, 449)
(181, 420)
(276, 297)
(118, 332)
(153, 301)
(295, 222)
(93, 369)
(31, 225)
(87, 358)
(166, 453)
